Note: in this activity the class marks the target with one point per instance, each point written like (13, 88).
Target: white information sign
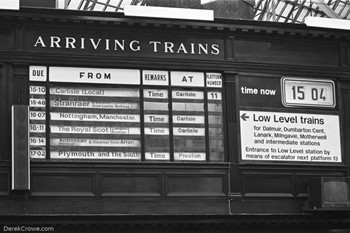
(155, 94)
(37, 90)
(188, 119)
(187, 79)
(156, 118)
(37, 73)
(155, 77)
(157, 156)
(195, 95)
(214, 95)
(37, 128)
(214, 80)
(37, 102)
(94, 75)
(38, 154)
(95, 155)
(182, 131)
(69, 129)
(37, 115)
(94, 142)
(69, 116)
(94, 92)
(37, 141)
(156, 131)
(292, 137)
(92, 104)
(189, 156)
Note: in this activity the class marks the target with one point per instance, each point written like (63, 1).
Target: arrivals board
(120, 114)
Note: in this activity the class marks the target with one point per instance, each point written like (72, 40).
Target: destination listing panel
(275, 136)
(83, 119)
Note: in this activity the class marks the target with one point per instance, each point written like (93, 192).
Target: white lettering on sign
(95, 155)
(118, 45)
(154, 77)
(94, 75)
(183, 131)
(107, 92)
(156, 118)
(189, 156)
(197, 95)
(94, 142)
(293, 137)
(157, 156)
(68, 129)
(187, 79)
(155, 94)
(186, 119)
(156, 131)
(214, 80)
(261, 91)
(69, 116)
(37, 73)
(92, 104)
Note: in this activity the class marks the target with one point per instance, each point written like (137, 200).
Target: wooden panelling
(346, 107)
(195, 185)
(268, 205)
(288, 52)
(231, 100)
(302, 181)
(4, 114)
(4, 183)
(130, 184)
(343, 55)
(347, 55)
(229, 48)
(125, 181)
(21, 79)
(6, 37)
(63, 184)
(231, 118)
(130, 206)
(267, 185)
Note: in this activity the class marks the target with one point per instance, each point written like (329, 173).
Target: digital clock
(308, 92)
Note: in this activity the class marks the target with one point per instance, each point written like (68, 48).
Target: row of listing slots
(116, 123)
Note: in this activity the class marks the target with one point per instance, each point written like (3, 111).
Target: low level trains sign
(291, 132)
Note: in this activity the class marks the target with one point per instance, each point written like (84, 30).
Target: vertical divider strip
(47, 119)
(170, 108)
(206, 120)
(142, 119)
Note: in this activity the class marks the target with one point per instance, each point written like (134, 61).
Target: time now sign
(259, 92)
(288, 92)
